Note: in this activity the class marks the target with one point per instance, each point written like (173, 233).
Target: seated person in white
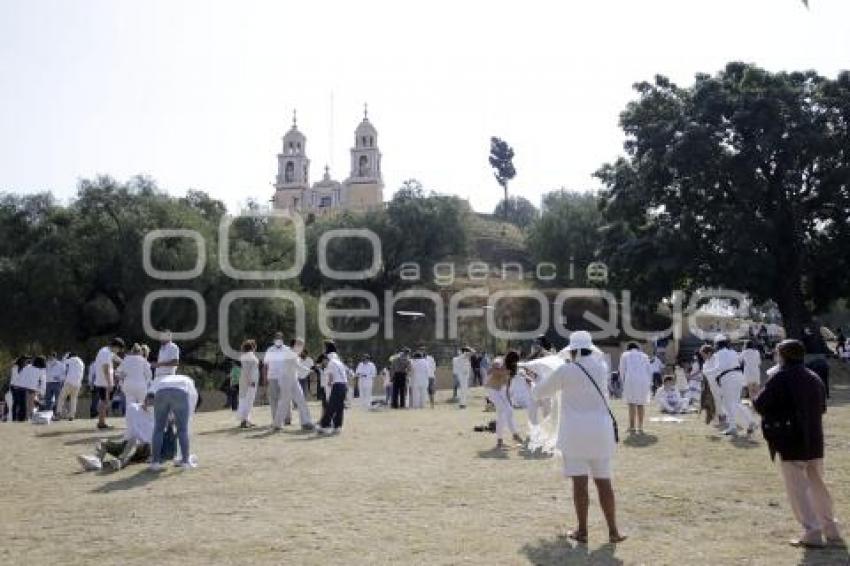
(133, 448)
(695, 385)
(668, 399)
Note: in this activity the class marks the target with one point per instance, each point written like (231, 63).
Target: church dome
(366, 128)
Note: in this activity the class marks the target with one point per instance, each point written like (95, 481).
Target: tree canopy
(741, 180)
(517, 210)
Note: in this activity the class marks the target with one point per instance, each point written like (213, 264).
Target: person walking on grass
(586, 430)
(497, 382)
(104, 378)
(792, 404)
(337, 378)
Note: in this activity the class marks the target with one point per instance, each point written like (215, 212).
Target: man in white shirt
(366, 373)
(104, 378)
(274, 362)
(134, 447)
(55, 377)
(74, 371)
(586, 431)
(290, 388)
(462, 368)
(337, 377)
(751, 360)
(168, 357)
(724, 368)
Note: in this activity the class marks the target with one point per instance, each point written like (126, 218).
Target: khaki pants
(68, 395)
(809, 498)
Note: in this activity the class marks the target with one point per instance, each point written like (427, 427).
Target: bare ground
(401, 487)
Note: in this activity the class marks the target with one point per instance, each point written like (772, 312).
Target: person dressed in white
(462, 368)
(134, 447)
(249, 379)
(135, 372)
(169, 356)
(66, 406)
(272, 370)
(694, 384)
(636, 375)
(290, 388)
(751, 359)
(420, 370)
(55, 378)
(668, 399)
(32, 379)
(681, 374)
(432, 378)
(656, 368)
(724, 369)
(496, 383)
(586, 431)
(366, 372)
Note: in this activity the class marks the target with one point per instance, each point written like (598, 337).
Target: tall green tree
(502, 161)
(567, 234)
(517, 210)
(741, 180)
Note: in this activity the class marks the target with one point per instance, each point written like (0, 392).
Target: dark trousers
(305, 386)
(821, 368)
(51, 395)
(233, 397)
(19, 404)
(336, 406)
(399, 390)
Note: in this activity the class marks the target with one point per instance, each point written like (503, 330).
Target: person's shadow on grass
(494, 454)
(139, 479)
(562, 550)
(640, 440)
(828, 555)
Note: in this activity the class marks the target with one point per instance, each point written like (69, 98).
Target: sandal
(614, 539)
(577, 536)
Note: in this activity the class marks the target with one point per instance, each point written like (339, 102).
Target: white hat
(720, 338)
(580, 340)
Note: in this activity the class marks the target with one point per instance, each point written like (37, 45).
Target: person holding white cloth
(586, 437)
(249, 379)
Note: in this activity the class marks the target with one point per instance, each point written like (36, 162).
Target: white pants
(134, 392)
(68, 395)
(504, 411)
(273, 391)
(809, 497)
(463, 388)
(246, 403)
(736, 413)
(290, 390)
(418, 394)
(667, 407)
(365, 386)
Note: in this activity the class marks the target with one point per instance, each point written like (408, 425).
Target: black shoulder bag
(595, 386)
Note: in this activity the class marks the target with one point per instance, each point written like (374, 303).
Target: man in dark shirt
(792, 404)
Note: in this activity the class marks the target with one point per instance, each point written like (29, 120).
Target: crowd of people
(565, 394)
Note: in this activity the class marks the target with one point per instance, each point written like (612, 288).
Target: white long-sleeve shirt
(585, 429)
(752, 364)
(74, 371)
(722, 360)
(136, 371)
(366, 369)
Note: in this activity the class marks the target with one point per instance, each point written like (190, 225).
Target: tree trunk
(505, 187)
(792, 306)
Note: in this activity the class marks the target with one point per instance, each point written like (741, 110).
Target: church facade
(361, 190)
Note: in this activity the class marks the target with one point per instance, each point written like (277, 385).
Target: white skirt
(636, 390)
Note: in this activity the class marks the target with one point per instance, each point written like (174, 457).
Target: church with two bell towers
(362, 190)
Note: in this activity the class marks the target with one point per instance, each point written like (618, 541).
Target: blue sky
(198, 94)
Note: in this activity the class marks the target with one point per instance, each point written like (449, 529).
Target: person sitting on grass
(133, 448)
(668, 399)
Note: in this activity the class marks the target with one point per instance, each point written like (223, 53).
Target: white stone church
(362, 190)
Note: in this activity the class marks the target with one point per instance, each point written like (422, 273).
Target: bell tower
(365, 182)
(293, 169)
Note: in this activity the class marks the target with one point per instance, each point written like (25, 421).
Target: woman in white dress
(421, 371)
(248, 381)
(636, 375)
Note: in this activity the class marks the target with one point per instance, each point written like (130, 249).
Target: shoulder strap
(602, 395)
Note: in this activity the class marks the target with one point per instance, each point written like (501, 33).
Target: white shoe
(89, 463)
(322, 431)
(156, 467)
(731, 431)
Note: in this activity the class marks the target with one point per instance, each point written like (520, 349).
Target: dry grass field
(401, 487)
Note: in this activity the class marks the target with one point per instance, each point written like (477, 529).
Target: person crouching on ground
(586, 430)
(792, 404)
(133, 448)
(497, 382)
(668, 398)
